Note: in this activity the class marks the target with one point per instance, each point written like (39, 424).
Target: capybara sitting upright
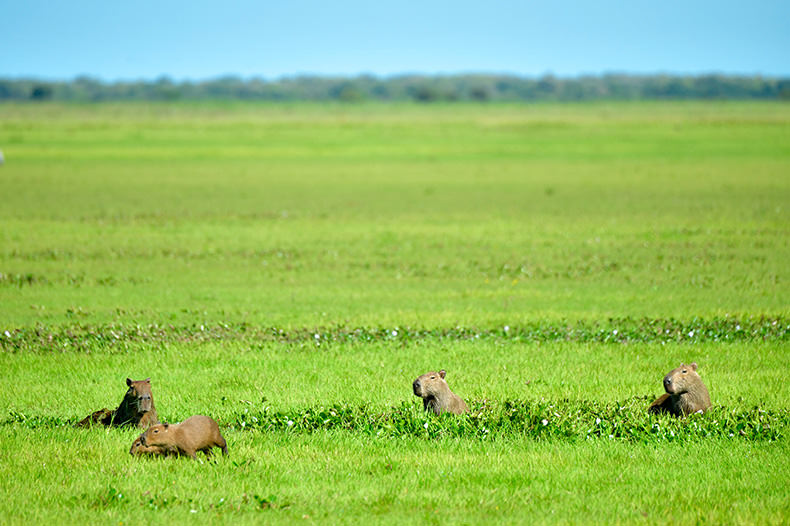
(196, 433)
(436, 394)
(685, 393)
(136, 409)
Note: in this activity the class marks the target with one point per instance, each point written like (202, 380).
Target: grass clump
(539, 420)
(79, 337)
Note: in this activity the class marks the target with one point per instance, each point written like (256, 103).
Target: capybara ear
(129, 382)
(693, 365)
(442, 373)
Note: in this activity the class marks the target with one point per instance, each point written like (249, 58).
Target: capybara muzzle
(668, 387)
(144, 403)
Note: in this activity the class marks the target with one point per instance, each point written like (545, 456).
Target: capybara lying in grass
(136, 409)
(196, 433)
(436, 394)
(685, 393)
(138, 449)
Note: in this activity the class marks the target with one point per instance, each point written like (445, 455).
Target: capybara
(196, 433)
(136, 409)
(138, 449)
(436, 394)
(685, 393)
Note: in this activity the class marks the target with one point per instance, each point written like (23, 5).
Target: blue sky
(198, 40)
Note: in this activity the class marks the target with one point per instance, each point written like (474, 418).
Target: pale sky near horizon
(199, 40)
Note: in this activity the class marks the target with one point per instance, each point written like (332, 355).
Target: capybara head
(137, 445)
(139, 449)
(677, 381)
(139, 394)
(153, 435)
(430, 384)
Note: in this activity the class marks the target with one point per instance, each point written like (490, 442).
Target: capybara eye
(433, 378)
(684, 371)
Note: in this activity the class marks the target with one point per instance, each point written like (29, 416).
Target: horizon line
(387, 76)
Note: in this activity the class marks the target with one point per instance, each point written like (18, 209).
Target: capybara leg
(107, 417)
(661, 405)
(102, 416)
(207, 451)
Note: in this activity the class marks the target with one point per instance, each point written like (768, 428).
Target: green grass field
(290, 269)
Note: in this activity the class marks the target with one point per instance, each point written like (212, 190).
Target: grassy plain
(454, 220)
(312, 215)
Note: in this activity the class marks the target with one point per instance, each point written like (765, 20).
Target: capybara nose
(667, 381)
(416, 386)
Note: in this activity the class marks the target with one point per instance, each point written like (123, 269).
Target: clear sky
(196, 39)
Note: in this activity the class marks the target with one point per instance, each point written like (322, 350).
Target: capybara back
(196, 433)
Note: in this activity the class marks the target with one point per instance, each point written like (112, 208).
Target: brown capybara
(139, 450)
(685, 393)
(136, 409)
(196, 433)
(436, 394)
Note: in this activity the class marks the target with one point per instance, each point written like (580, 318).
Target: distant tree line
(418, 88)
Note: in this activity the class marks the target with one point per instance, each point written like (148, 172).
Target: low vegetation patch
(616, 331)
(541, 420)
